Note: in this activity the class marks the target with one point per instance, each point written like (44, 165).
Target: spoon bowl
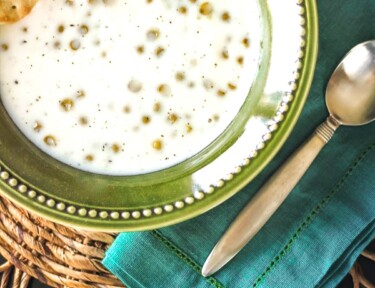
(350, 94)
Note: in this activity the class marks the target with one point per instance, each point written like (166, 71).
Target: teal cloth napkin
(316, 235)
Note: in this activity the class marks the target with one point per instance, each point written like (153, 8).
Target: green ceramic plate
(72, 197)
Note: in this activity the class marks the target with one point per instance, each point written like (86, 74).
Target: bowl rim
(11, 184)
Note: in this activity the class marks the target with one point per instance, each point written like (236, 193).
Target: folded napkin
(316, 235)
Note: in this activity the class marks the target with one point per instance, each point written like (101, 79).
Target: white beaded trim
(14, 183)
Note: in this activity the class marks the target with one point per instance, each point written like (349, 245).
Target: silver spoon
(350, 98)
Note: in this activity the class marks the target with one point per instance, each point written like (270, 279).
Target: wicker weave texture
(60, 256)
(54, 254)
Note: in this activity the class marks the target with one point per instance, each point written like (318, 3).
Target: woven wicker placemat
(61, 256)
(54, 254)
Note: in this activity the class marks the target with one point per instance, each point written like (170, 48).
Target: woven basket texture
(61, 256)
(56, 255)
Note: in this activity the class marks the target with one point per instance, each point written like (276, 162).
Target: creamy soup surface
(125, 87)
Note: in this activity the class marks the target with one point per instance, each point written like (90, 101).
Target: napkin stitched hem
(185, 258)
(311, 216)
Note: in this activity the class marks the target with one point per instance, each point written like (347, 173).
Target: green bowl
(72, 197)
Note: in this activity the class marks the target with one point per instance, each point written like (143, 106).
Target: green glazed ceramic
(129, 203)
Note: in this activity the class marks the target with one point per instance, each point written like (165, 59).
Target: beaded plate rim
(15, 187)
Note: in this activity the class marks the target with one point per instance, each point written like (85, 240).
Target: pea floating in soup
(125, 87)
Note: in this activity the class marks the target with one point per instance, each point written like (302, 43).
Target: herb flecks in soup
(128, 87)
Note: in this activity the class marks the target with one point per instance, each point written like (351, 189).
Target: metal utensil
(350, 98)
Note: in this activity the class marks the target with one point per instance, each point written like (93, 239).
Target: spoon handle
(273, 193)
